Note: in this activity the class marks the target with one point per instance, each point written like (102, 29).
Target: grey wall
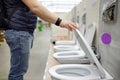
(110, 54)
(73, 13)
(92, 11)
(80, 10)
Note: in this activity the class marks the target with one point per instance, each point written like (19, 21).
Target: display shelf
(50, 62)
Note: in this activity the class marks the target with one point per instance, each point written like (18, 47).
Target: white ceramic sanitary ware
(93, 71)
(89, 35)
(67, 57)
(65, 42)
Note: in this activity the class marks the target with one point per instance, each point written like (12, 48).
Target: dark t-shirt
(22, 18)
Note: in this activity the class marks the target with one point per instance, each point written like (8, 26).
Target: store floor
(38, 57)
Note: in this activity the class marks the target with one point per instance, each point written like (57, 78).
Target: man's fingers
(72, 26)
(69, 25)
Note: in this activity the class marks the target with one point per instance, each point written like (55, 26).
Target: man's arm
(42, 12)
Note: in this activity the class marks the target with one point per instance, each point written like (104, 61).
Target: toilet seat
(75, 72)
(66, 47)
(65, 42)
(71, 57)
(69, 54)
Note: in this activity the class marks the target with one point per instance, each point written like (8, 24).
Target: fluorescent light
(60, 5)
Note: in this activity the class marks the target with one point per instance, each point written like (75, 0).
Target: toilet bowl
(71, 57)
(66, 47)
(77, 72)
(92, 71)
(74, 72)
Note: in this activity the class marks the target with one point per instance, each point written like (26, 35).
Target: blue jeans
(20, 43)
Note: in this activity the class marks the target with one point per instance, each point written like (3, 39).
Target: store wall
(63, 15)
(57, 31)
(73, 13)
(92, 16)
(80, 10)
(92, 11)
(110, 53)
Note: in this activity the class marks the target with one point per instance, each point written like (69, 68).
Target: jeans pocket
(9, 36)
(27, 39)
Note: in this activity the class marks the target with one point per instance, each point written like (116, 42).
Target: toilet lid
(87, 49)
(89, 34)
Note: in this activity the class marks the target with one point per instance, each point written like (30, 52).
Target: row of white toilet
(73, 70)
(71, 51)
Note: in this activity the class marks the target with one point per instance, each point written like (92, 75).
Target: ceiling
(60, 5)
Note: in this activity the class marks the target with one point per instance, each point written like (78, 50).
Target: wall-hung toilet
(74, 57)
(89, 35)
(93, 71)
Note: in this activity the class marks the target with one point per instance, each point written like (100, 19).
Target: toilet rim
(58, 49)
(56, 46)
(53, 72)
(66, 47)
(79, 54)
(65, 41)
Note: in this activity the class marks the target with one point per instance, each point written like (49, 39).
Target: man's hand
(69, 25)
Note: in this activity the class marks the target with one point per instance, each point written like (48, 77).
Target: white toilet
(74, 57)
(89, 35)
(73, 41)
(93, 71)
